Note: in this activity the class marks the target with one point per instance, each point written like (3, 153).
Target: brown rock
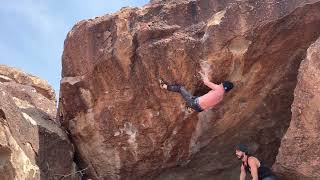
(20, 77)
(299, 153)
(125, 127)
(32, 144)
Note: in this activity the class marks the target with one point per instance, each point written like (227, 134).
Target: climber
(204, 102)
(251, 164)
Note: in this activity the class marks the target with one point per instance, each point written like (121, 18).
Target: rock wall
(32, 144)
(125, 127)
(299, 153)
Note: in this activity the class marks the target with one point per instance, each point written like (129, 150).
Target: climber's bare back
(212, 98)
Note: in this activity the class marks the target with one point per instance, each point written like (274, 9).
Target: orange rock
(299, 153)
(32, 144)
(125, 127)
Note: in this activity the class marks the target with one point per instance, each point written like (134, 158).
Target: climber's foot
(189, 110)
(163, 85)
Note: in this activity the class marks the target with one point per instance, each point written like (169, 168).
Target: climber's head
(241, 151)
(227, 85)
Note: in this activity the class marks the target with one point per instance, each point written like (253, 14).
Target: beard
(240, 157)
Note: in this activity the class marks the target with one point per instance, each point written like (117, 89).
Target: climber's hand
(206, 80)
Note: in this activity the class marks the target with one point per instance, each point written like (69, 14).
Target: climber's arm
(242, 173)
(211, 85)
(253, 168)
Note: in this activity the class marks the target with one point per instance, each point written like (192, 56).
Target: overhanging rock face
(125, 127)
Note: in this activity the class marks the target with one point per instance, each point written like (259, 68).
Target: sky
(32, 32)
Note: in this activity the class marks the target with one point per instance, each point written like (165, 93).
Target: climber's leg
(192, 101)
(173, 87)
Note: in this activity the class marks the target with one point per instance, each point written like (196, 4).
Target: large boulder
(32, 144)
(125, 127)
(299, 154)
